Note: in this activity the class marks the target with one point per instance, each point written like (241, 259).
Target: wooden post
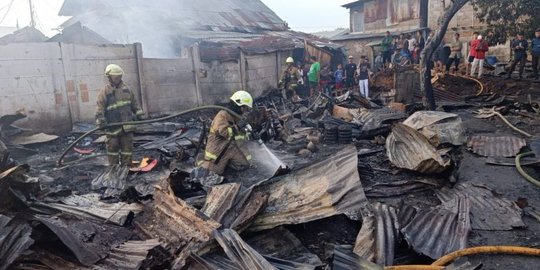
(196, 64)
(142, 91)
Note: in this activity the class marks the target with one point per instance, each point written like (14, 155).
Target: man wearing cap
(480, 47)
(350, 69)
(535, 52)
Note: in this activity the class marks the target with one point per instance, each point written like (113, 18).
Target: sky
(301, 15)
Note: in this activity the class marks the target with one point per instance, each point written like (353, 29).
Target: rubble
(358, 185)
(409, 149)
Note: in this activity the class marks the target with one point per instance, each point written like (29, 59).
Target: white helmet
(242, 98)
(289, 60)
(114, 70)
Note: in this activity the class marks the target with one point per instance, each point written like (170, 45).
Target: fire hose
(444, 260)
(522, 172)
(134, 123)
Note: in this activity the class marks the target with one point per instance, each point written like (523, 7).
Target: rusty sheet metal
(255, 203)
(489, 210)
(495, 146)
(179, 223)
(377, 238)
(441, 230)
(323, 189)
(438, 127)
(373, 119)
(14, 240)
(89, 206)
(281, 243)
(398, 188)
(409, 149)
(129, 255)
(240, 253)
(219, 200)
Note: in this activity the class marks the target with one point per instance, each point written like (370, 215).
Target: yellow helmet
(242, 98)
(289, 60)
(114, 70)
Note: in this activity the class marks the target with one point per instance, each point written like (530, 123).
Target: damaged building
(369, 21)
(335, 181)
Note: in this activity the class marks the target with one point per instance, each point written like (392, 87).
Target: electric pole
(32, 20)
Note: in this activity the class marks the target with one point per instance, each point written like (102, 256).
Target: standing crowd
(398, 51)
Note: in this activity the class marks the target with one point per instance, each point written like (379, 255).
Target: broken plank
(219, 200)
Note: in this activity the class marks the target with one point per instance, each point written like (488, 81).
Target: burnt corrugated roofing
(377, 238)
(14, 240)
(441, 230)
(489, 210)
(495, 146)
(233, 15)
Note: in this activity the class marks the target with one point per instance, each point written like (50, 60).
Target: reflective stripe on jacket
(116, 105)
(222, 131)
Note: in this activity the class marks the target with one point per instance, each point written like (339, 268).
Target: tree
(427, 53)
(506, 18)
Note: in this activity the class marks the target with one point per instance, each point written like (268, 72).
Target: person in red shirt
(471, 52)
(480, 47)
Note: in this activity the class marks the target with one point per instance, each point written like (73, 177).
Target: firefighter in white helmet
(116, 103)
(225, 144)
(289, 78)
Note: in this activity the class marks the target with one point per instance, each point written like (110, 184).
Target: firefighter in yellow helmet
(116, 103)
(289, 78)
(225, 145)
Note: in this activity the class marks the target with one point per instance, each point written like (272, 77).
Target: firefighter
(116, 103)
(225, 146)
(289, 78)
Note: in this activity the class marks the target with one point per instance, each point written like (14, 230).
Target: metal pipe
(208, 107)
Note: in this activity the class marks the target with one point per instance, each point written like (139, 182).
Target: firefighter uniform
(225, 146)
(118, 104)
(289, 78)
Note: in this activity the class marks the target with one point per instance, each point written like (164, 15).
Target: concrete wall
(32, 78)
(169, 85)
(84, 73)
(58, 84)
(262, 72)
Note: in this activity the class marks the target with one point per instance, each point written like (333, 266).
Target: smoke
(162, 26)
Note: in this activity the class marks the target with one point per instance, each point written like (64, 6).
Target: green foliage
(506, 18)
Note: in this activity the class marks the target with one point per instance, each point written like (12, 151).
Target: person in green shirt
(314, 75)
(386, 49)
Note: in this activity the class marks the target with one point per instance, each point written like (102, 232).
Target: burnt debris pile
(343, 182)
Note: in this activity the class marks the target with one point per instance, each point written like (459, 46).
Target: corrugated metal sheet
(409, 149)
(128, 256)
(345, 259)
(324, 189)
(244, 256)
(377, 238)
(219, 200)
(14, 240)
(495, 146)
(398, 188)
(89, 206)
(282, 244)
(489, 210)
(112, 177)
(441, 230)
(438, 127)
